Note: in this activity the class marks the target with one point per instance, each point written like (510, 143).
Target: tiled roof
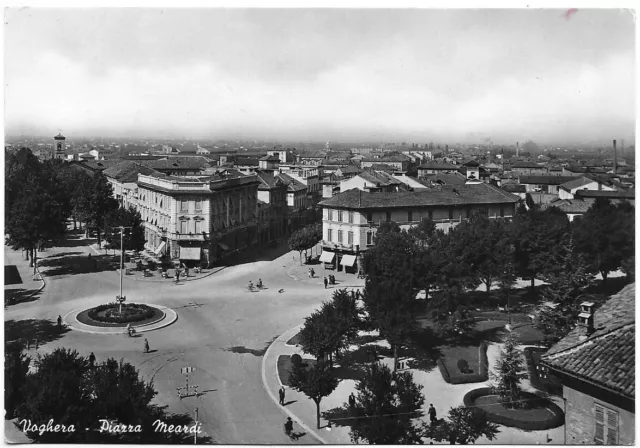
(437, 166)
(628, 194)
(336, 162)
(271, 158)
(525, 165)
(177, 163)
(291, 183)
(515, 188)
(350, 169)
(480, 193)
(394, 158)
(545, 180)
(100, 165)
(607, 356)
(246, 161)
(576, 183)
(572, 205)
(268, 181)
(446, 179)
(127, 171)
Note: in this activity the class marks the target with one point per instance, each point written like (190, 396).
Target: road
(222, 330)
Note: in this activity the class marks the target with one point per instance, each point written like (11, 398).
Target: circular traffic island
(537, 414)
(110, 315)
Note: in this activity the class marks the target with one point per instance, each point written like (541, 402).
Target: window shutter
(612, 427)
(599, 436)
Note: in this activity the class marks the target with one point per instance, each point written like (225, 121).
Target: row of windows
(370, 234)
(340, 216)
(185, 205)
(187, 226)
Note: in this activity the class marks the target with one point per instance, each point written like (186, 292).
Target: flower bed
(550, 384)
(540, 413)
(284, 367)
(107, 315)
(476, 360)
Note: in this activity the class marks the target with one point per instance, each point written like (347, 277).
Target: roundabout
(147, 317)
(537, 414)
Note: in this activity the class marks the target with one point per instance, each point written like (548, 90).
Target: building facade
(350, 219)
(198, 219)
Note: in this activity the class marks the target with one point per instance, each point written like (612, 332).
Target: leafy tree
(463, 426)
(133, 238)
(20, 167)
(321, 334)
(316, 382)
(605, 235)
(65, 388)
(536, 236)
(16, 366)
(386, 403)
(566, 289)
(347, 314)
(629, 268)
(481, 244)
(509, 372)
(98, 202)
(306, 238)
(450, 314)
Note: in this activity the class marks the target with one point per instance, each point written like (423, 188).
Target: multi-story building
(436, 168)
(272, 205)
(198, 218)
(308, 176)
(370, 180)
(123, 178)
(568, 189)
(350, 219)
(529, 168)
(400, 162)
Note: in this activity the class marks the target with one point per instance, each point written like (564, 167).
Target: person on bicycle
(288, 427)
(130, 329)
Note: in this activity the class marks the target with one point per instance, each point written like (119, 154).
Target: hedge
(483, 371)
(147, 313)
(556, 420)
(551, 385)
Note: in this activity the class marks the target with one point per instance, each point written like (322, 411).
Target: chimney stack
(585, 320)
(615, 159)
(517, 149)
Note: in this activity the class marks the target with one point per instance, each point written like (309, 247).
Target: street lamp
(121, 298)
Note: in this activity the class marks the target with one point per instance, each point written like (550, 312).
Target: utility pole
(195, 433)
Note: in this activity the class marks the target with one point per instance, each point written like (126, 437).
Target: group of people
(330, 281)
(259, 285)
(312, 273)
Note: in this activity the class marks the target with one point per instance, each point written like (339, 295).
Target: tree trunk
(35, 262)
(533, 284)
(604, 276)
(98, 236)
(395, 357)
(317, 413)
(75, 226)
(488, 285)
(30, 252)
(300, 255)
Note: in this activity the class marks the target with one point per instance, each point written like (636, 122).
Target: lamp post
(121, 298)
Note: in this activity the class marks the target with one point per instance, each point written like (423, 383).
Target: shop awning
(160, 248)
(327, 257)
(190, 253)
(348, 260)
(223, 246)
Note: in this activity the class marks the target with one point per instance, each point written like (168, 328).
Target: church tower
(59, 146)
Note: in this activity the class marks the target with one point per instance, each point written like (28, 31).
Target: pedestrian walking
(288, 427)
(92, 359)
(432, 413)
(352, 400)
(177, 275)
(326, 282)
(146, 345)
(59, 321)
(281, 393)
(186, 272)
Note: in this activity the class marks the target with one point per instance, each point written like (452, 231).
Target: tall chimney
(517, 149)
(615, 159)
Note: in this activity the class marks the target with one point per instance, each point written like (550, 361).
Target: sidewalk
(301, 273)
(27, 284)
(435, 390)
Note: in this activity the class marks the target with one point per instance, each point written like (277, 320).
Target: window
(450, 213)
(370, 216)
(329, 235)
(349, 238)
(184, 205)
(410, 215)
(340, 215)
(183, 226)
(350, 217)
(369, 238)
(388, 216)
(199, 204)
(339, 236)
(198, 226)
(606, 426)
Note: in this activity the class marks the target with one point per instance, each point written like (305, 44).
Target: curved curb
(170, 317)
(273, 397)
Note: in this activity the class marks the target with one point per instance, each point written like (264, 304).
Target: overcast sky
(325, 74)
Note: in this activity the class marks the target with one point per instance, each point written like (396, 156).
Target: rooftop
(545, 180)
(577, 206)
(127, 171)
(437, 166)
(525, 165)
(480, 193)
(576, 183)
(607, 356)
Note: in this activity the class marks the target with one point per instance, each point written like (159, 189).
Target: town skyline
(330, 74)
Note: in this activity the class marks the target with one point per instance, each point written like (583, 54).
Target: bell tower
(59, 146)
